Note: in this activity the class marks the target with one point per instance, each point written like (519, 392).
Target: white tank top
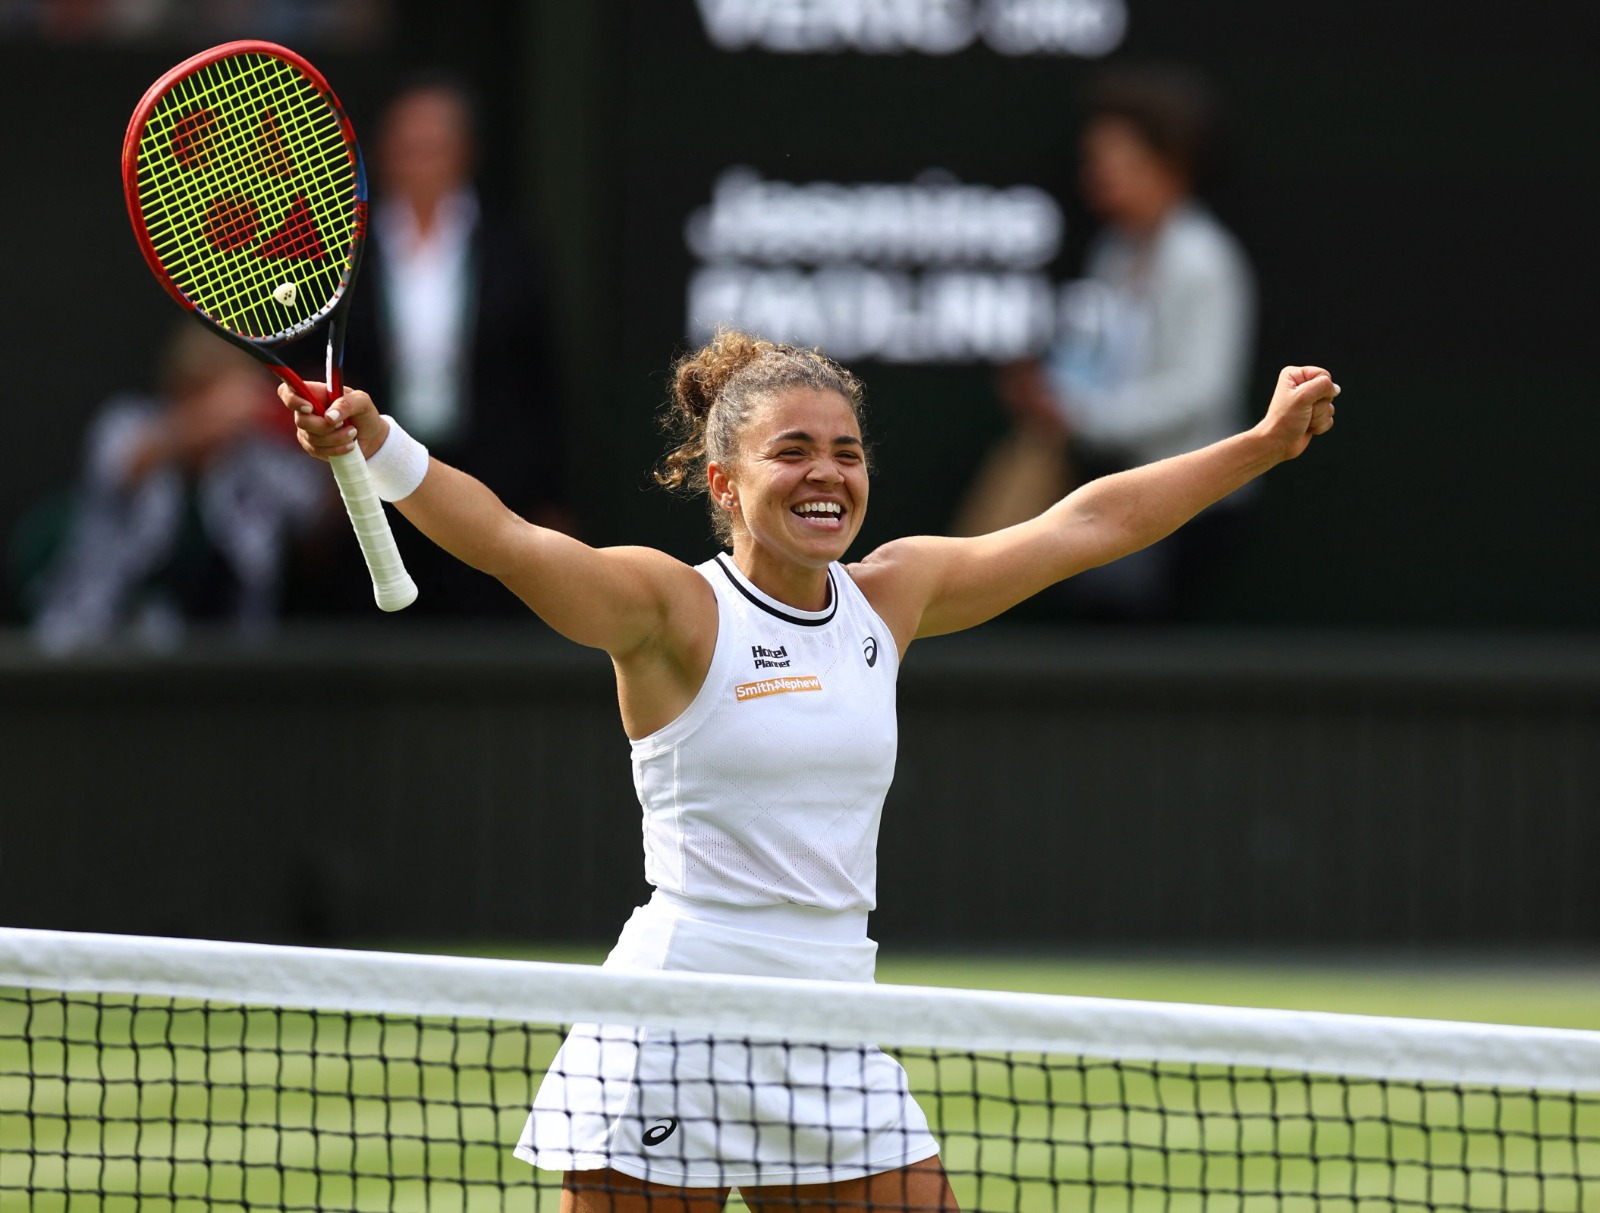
(769, 787)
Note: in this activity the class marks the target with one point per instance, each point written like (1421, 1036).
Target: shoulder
(126, 408)
(1196, 242)
(653, 562)
(117, 424)
(681, 598)
(896, 578)
(682, 594)
(884, 568)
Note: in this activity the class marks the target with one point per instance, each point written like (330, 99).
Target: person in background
(449, 326)
(1155, 346)
(186, 511)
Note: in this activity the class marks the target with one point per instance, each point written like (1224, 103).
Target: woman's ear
(720, 485)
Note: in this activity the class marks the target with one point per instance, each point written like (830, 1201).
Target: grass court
(178, 1107)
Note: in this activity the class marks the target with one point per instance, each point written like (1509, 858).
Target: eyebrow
(802, 436)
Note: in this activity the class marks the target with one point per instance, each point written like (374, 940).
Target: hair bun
(698, 378)
(713, 392)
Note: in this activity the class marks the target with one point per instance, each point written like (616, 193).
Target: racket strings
(248, 193)
(232, 218)
(237, 146)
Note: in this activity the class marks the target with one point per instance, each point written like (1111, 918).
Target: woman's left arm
(928, 586)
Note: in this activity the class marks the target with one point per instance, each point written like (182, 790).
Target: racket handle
(392, 586)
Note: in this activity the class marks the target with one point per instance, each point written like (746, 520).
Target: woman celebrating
(758, 693)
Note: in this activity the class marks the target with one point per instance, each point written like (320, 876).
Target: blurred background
(1373, 721)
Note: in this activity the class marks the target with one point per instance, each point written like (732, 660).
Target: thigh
(921, 1187)
(609, 1191)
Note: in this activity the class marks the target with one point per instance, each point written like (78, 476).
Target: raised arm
(616, 599)
(928, 586)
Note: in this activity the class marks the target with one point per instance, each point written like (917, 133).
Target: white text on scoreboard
(932, 270)
(1083, 28)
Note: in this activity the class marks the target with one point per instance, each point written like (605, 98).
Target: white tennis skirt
(691, 1110)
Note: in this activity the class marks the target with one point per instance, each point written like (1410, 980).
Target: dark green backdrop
(1417, 186)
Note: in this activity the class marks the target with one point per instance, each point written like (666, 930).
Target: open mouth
(827, 515)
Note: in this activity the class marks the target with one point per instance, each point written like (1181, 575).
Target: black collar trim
(773, 608)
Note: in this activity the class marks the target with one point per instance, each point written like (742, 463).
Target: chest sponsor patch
(777, 686)
(770, 659)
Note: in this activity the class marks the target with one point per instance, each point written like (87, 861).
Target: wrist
(398, 464)
(374, 439)
(1267, 447)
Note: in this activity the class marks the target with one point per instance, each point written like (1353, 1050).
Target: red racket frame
(335, 308)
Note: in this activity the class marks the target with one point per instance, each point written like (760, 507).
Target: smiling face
(797, 488)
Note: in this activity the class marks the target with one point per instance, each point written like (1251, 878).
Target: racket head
(247, 192)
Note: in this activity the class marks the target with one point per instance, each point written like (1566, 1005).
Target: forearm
(1131, 510)
(613, 599)
(943, 585)
(465, 518)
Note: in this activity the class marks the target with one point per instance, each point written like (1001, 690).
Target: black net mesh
(110, 1102)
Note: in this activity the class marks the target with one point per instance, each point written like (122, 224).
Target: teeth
(819, 507)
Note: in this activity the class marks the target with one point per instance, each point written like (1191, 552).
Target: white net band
(821, 1012)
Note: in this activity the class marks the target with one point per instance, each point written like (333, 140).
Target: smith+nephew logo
(782, 685)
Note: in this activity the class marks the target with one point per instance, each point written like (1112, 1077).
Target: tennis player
(758, 690)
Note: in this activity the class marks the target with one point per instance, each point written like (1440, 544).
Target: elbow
(1103, 524)
(1091, 532)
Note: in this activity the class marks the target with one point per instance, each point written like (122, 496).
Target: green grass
(299, 1110)
(1557, 992)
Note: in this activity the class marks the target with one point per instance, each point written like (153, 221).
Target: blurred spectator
(1155, 345)
(449, 332)
(343, 23)
(185, 510)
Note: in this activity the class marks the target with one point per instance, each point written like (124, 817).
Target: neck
(425, 213)
(1146, 222)
(427, 210)
(800, 586)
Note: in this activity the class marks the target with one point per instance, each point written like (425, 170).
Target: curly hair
(714, 390)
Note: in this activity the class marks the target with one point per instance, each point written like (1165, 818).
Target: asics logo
(660, 1131)
(869, 650)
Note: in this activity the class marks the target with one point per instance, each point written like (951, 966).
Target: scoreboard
(895, 180)
(932, 27)
(879, 177)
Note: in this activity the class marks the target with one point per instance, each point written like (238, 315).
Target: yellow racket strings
(248, 194)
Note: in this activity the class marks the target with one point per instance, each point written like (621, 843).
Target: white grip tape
(392, 586)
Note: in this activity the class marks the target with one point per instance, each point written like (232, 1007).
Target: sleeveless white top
(769, 787)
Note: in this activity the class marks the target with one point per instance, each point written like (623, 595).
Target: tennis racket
(248, 197)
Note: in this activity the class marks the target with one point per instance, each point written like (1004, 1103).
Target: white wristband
(400, 464)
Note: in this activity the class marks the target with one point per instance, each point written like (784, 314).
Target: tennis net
(177, 1075)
